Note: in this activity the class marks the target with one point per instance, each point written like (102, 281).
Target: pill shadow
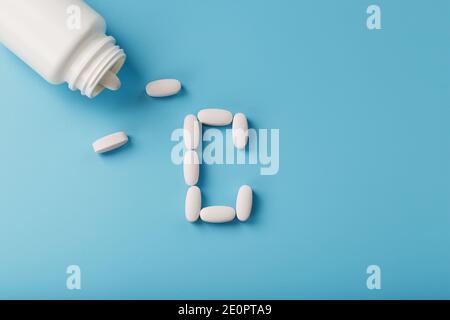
(123, 148)
(256, 209)
(182, 93)
(228, 225)
(203, 177)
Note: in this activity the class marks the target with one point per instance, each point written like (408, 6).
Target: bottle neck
(95, 57)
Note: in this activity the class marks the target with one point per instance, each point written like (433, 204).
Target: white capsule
(244, 203)
(215, 117)
(191, 132)
(193, 204)
(110, 142)
(217, 214)
(240, 131)
(191, 167)
(163, 88)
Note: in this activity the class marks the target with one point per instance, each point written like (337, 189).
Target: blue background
(364, 157)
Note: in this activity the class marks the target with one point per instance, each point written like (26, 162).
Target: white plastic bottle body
(62, 40)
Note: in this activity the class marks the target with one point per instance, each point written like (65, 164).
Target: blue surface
(364, 157)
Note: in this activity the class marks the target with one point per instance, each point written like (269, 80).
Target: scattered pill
(215, 117)
(163, 88)
(217, 214)
(191, 167)
(240, 131)
(244, 203)
(110, 142)
(193, 204)
(192, 132)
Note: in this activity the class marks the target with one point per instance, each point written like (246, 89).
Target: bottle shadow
(115, 152)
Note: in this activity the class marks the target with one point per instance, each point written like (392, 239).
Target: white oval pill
(111, 81)
(215, 117)
(110, 142)
(193, 204)
(240, 131)
(191, 132)
(217, 214)
(191, 167)
(163, 88)
(244, 203)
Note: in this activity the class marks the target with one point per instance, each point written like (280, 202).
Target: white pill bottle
(64, 41)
